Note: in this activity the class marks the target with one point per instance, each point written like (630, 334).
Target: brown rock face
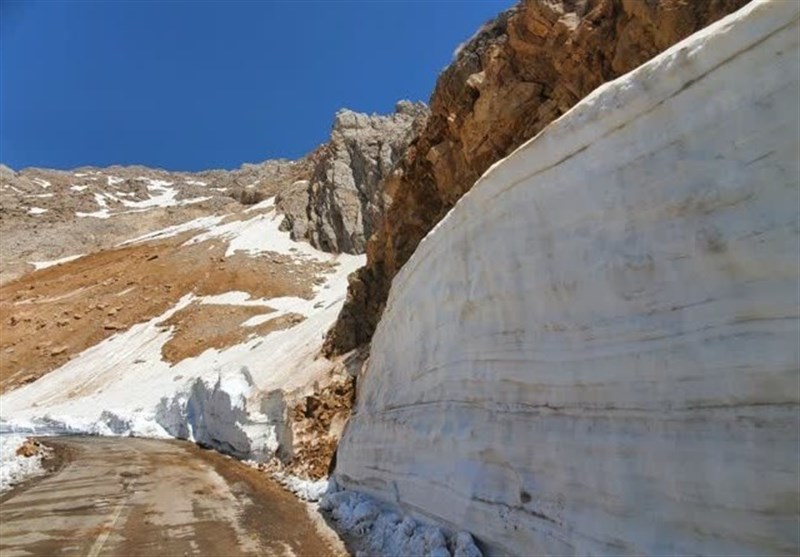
(519, 73)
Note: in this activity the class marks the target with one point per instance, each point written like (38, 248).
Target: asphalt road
(129, 497)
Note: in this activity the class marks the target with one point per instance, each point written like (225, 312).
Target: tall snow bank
(596, 352)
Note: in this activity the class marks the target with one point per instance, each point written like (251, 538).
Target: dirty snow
(13, 468)
(387, 531)
(307, 490)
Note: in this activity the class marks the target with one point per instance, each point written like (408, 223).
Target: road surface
(129, 497)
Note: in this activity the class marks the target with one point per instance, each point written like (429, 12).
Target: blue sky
(195, 85)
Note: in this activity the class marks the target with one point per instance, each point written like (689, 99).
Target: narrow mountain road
(128, 497)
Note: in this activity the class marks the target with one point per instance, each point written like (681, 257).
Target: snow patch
(258, 235)
(15, 468)
(307, 490)
(36, 211)
(45, 264)
(170, 231)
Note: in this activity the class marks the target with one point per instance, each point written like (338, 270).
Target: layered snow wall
(596, 351)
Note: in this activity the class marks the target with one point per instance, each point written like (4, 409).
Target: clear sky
(190, 85)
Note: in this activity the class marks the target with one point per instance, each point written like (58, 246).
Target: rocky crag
(515, 76)
(337, 209)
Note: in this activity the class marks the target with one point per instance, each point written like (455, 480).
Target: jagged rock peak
(337, 209)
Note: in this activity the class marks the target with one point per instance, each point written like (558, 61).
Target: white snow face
(596, 352)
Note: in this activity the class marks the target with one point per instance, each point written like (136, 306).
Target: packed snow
(16, 468)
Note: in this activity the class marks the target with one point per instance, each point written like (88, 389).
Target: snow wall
(596, 352)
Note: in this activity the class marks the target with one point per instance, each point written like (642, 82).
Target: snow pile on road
(305, 489)
(15, 468)
(390, 533)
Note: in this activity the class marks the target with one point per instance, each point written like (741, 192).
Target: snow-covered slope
(596, 352)
(231, 398)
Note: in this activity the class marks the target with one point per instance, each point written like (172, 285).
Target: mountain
(574, 330)
(146, 302)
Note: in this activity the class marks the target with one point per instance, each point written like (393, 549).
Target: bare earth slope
(518, 74)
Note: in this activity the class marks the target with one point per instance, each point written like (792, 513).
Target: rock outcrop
(519, 73)
(596, 351)
(337, 209)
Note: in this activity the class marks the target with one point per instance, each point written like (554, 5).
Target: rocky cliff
(337, 209)
(596, 351)
(519, 73)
